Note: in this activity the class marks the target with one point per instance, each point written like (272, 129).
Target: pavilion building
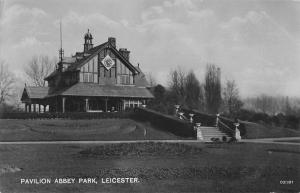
(98, 79)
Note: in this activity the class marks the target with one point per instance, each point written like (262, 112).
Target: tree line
(208, 96)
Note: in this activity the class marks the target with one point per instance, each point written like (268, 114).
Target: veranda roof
(92, 89)
(33, 92)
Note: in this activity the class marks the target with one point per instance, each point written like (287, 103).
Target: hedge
(73, 115)
(165, 122)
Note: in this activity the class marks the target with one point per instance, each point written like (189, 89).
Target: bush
(292, 122)
(279, 120)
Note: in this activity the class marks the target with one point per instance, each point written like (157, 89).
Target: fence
(226, 125)
(204, 119)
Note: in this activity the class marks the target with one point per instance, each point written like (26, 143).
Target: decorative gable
(108, 62)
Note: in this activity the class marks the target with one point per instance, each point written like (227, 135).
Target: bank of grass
(171, 168)
(66, 129)
(259, 130)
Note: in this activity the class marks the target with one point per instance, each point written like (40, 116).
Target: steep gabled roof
(92, 52)
(85, 57)
(124, 59)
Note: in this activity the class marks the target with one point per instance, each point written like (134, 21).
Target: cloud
(89, 19)
(17, 12)
(28, 42)
(250, 45)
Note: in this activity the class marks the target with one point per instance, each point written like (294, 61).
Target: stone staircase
(212, 132)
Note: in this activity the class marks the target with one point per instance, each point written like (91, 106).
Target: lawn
(159, 167)
(108, 129)
(65, 129)
(255, 130)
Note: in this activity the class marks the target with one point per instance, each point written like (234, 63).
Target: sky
(255, 43)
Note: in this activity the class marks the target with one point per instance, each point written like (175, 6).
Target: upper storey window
(125, 76)
(89, 72)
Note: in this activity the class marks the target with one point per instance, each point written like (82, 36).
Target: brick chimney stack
(112, 41)
(125, 53)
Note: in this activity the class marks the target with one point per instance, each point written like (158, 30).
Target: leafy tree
(193, 92)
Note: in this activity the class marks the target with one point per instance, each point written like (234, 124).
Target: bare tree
(7, 80)
(177, 85)
(231, 97)
(38, 68)
(213, 88)
(151, 80)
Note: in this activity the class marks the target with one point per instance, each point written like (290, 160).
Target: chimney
(124, 52)
(112, 41)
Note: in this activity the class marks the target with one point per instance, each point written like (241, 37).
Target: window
(85, 77)
(81, 77)
(130, 79)
(95, 65)
(95, 78)
(118, 67)
(91, 79)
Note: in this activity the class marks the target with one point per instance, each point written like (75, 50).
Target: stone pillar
(106, 104)
(217, 120)
(237, 132)
(191, 117)
(180, 115)
(86, 105)
(64, 104)
(123, 104)
(197, 127)
(176, 109)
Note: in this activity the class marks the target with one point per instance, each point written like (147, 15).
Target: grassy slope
(63, 129)
(216, 168)
(255, 130)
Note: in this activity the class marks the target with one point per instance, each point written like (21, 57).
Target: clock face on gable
(108, 62)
